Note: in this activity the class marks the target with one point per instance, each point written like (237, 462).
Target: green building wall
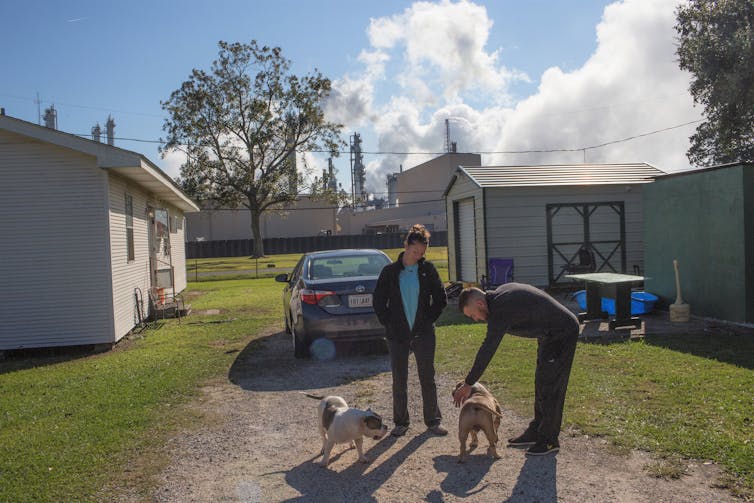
(705, 220)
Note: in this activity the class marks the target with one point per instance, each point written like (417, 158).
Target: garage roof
(560, 174)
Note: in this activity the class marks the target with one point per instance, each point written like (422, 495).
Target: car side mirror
(281, 278)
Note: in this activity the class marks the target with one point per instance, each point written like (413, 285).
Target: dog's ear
(373, 422)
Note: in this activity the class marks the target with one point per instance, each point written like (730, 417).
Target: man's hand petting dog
(461, 394)
(339, 423)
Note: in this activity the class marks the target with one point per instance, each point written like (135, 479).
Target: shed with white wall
(78, 221)
(540, 216)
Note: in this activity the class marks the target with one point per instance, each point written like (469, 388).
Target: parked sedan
(329, 295)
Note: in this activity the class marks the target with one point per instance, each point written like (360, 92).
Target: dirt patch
(261, 444)
(207, 312)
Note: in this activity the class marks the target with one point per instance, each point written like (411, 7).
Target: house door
(465, 242)
(598, 228)
(160, 260)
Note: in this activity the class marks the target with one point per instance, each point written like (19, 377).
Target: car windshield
(346, 266)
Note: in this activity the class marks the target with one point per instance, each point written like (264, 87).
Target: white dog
(339, 423)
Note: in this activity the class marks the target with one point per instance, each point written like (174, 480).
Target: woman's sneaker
(438, 430)
(542, 448)
(399, 430)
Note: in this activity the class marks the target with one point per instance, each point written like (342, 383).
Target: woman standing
(408, 299)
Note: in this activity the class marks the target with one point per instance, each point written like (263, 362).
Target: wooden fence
(276, 246)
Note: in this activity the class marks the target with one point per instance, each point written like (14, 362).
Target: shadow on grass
(29, 358)
(24, 359)
(268, 364)
(452, 316)
(724, 346)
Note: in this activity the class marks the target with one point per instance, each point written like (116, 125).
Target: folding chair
(500, 271)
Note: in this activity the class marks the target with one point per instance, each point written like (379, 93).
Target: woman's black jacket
(389, 306)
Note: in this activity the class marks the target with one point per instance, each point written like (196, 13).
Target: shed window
(130, 227)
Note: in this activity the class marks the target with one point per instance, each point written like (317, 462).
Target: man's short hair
(469, 295)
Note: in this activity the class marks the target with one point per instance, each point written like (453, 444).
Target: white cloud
(432, 58)
(350, 102)
(630, 85)
(443, 50)
(310, 166)
(172, 162)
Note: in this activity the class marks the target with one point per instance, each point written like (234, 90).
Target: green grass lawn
(249, 267)
(70, 423)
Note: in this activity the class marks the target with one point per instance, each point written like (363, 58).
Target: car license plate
(364, 300)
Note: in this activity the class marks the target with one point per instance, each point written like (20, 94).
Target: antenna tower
(358, 172)
(447, 135)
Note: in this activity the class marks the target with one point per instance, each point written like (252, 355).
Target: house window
(130, 227)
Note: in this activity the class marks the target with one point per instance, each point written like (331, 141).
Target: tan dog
(479, 412)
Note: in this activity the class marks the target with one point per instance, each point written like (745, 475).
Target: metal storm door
(599, 228)
(160, 260)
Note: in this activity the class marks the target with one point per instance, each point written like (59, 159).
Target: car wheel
(287, 325)
(300, 346)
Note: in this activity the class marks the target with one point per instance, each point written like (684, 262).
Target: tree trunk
(256, 233)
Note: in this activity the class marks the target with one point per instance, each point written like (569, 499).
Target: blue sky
(511, 76)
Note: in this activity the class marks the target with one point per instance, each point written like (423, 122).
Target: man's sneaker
(438, 430)
(399, 430)
(542, 448)
(524, 440)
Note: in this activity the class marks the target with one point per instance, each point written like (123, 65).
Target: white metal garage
(541, 216)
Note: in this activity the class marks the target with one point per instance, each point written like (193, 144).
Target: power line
(529, 151)
(485, 152)
(346, 207)
(85, 107)
(643, 134)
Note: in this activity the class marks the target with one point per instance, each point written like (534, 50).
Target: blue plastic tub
(641, 302)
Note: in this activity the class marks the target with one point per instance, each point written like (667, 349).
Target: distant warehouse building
(414, 196)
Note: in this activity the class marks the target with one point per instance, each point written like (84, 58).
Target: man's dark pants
(424, 352)
(554, 359)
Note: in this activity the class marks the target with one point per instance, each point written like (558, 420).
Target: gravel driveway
(262, 446)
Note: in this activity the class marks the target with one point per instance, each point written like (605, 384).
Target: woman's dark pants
(424, 352)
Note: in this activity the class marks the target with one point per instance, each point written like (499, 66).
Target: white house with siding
(87, 228)
(540, 216)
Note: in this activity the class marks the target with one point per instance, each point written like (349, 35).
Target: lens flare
(322, 349)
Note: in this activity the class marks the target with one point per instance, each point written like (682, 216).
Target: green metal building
(704, 219)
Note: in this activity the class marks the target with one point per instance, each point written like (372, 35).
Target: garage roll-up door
(465, 245)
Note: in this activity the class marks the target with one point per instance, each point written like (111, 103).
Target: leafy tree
(241, 125)
(717, 47)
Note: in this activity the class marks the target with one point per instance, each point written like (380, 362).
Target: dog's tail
(316, 397)
(485, 408)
